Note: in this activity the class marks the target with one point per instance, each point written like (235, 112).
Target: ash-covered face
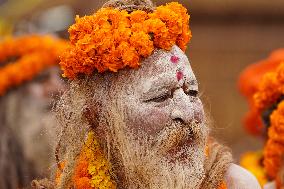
(155, 122)
(161, 102)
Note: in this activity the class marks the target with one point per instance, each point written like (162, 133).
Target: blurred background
(228, 35)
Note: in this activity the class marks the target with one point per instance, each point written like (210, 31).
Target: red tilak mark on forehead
(174, 59)
(179, 75)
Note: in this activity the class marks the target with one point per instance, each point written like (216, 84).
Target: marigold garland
(267, 94)
(92, 169)
(270, 89)
(249, 82)
(34, 54)
(274, 148)
(112, 39)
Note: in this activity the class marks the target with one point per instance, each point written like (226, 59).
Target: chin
(186, 155)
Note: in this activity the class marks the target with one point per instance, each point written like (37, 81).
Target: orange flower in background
(274, 148)
(251, 82)
(270, 90)
(33, 54)
(127, 37)
(263, 86)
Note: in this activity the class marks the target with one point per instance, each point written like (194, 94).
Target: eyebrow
(192, 82)
(162, 85)
(158, 86)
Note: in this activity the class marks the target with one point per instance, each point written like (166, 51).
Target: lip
(180, 152)
(176, 141)
(188, 141)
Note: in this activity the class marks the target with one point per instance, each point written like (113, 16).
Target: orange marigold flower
(82, 178)
(223, 186)
(138, 16)
(268, 91)
(92, 170)
(110, 39)
(33, 54)
(274, 148)
(252, 81)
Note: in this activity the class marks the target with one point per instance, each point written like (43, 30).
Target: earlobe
(89, 113)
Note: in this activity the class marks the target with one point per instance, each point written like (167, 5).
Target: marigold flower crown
(113, 39)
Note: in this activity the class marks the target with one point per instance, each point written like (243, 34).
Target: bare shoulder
(239, 178)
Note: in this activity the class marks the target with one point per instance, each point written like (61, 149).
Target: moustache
(174, 135)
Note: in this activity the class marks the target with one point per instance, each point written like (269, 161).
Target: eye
(160, 98)
(192, 93)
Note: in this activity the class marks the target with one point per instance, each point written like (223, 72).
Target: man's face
(164, 105)
(163, 118)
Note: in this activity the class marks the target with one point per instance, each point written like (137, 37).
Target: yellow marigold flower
(252, 161)
(97, 171)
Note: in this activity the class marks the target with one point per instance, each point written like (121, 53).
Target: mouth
(175, 140)
(181, 151)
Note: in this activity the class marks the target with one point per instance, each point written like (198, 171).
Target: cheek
(149, 120)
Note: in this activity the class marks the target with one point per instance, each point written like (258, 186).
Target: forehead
(172, 64)
(162, 68)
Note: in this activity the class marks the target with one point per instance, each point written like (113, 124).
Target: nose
(187, 109)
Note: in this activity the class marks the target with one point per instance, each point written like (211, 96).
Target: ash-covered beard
(150, 162)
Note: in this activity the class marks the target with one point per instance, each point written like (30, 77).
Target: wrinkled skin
(159, 96)
(162, 107)
(164, 94)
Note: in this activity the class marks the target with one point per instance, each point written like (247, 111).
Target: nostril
(178, 120)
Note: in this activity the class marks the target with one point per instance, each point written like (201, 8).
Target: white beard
(145, 167)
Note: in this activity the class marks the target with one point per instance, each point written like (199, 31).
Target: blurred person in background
(28, 81)
(262, 84)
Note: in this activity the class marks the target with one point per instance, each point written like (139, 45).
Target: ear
(90, 113)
